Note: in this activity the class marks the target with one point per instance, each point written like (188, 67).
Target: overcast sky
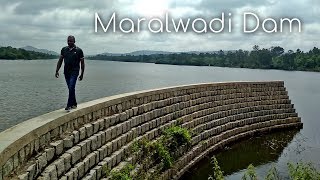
(46, 24)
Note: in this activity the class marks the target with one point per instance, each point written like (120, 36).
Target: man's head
(71, 40)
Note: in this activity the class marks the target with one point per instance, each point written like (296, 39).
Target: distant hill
(149, 52)
(137, 53)
(31, 48)
(11, 53)
(198, 52)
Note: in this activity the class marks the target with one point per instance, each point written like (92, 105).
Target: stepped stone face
(100, 133)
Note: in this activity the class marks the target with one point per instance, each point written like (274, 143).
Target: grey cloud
(231, 4)
(209, 7)
(38, 6)
(45, 24)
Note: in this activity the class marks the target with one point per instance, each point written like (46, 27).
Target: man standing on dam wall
(73, 57)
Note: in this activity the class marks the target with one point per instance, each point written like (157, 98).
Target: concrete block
(119, 142)
(98, 170)
(105, 151)
(75, 173)
(82, 131)
(68, 141)
(83, 147)
(119, 156)
(58, 146)
(31, 171)
(104, 166)
(113, 120)
(86, 162)
(117, 118)
(138, 120)
(88, 144)
(119, 129)
(96, 126)
(101, 124)
(113, 132)
(114, 145)
(76, 137)
(99, 140)
(124, 127)
(42, 161)
(123, 116)
(70, 175)
(67, 161)
(89, 130)
(53, 172)
(93, 174)
(130, 113)
(135, 133)
(128, 126)
(133, 121)
(113, 160)
(107, 122)
(102, 136)
(75, 153)
(97, 156)
(93, 140)
(92, 159)
(50, 153)
(59, 163)
(80, 168)
(123, 140)
(109, 148)
(135, 111)
(109, 134)
(130, 136)
(101, 154)
(143, 129)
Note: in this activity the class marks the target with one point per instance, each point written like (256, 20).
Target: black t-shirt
(71, 59)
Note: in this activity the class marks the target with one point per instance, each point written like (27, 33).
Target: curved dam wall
(100, 133)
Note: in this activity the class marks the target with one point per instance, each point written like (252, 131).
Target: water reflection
(258, 151)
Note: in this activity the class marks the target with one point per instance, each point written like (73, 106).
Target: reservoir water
(29, 89)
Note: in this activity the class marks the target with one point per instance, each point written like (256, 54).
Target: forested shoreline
(271, 58)
(11, 53)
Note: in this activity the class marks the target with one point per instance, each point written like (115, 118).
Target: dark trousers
(71, 79)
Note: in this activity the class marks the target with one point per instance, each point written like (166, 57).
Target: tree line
(266, 58)
(11, 53)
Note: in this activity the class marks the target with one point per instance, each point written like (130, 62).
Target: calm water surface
(29, 89)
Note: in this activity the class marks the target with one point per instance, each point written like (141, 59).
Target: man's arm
(82, 68)
(59, 66)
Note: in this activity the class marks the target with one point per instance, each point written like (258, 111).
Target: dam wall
(100, 134)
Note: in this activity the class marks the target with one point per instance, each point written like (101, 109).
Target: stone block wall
(77, 145)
